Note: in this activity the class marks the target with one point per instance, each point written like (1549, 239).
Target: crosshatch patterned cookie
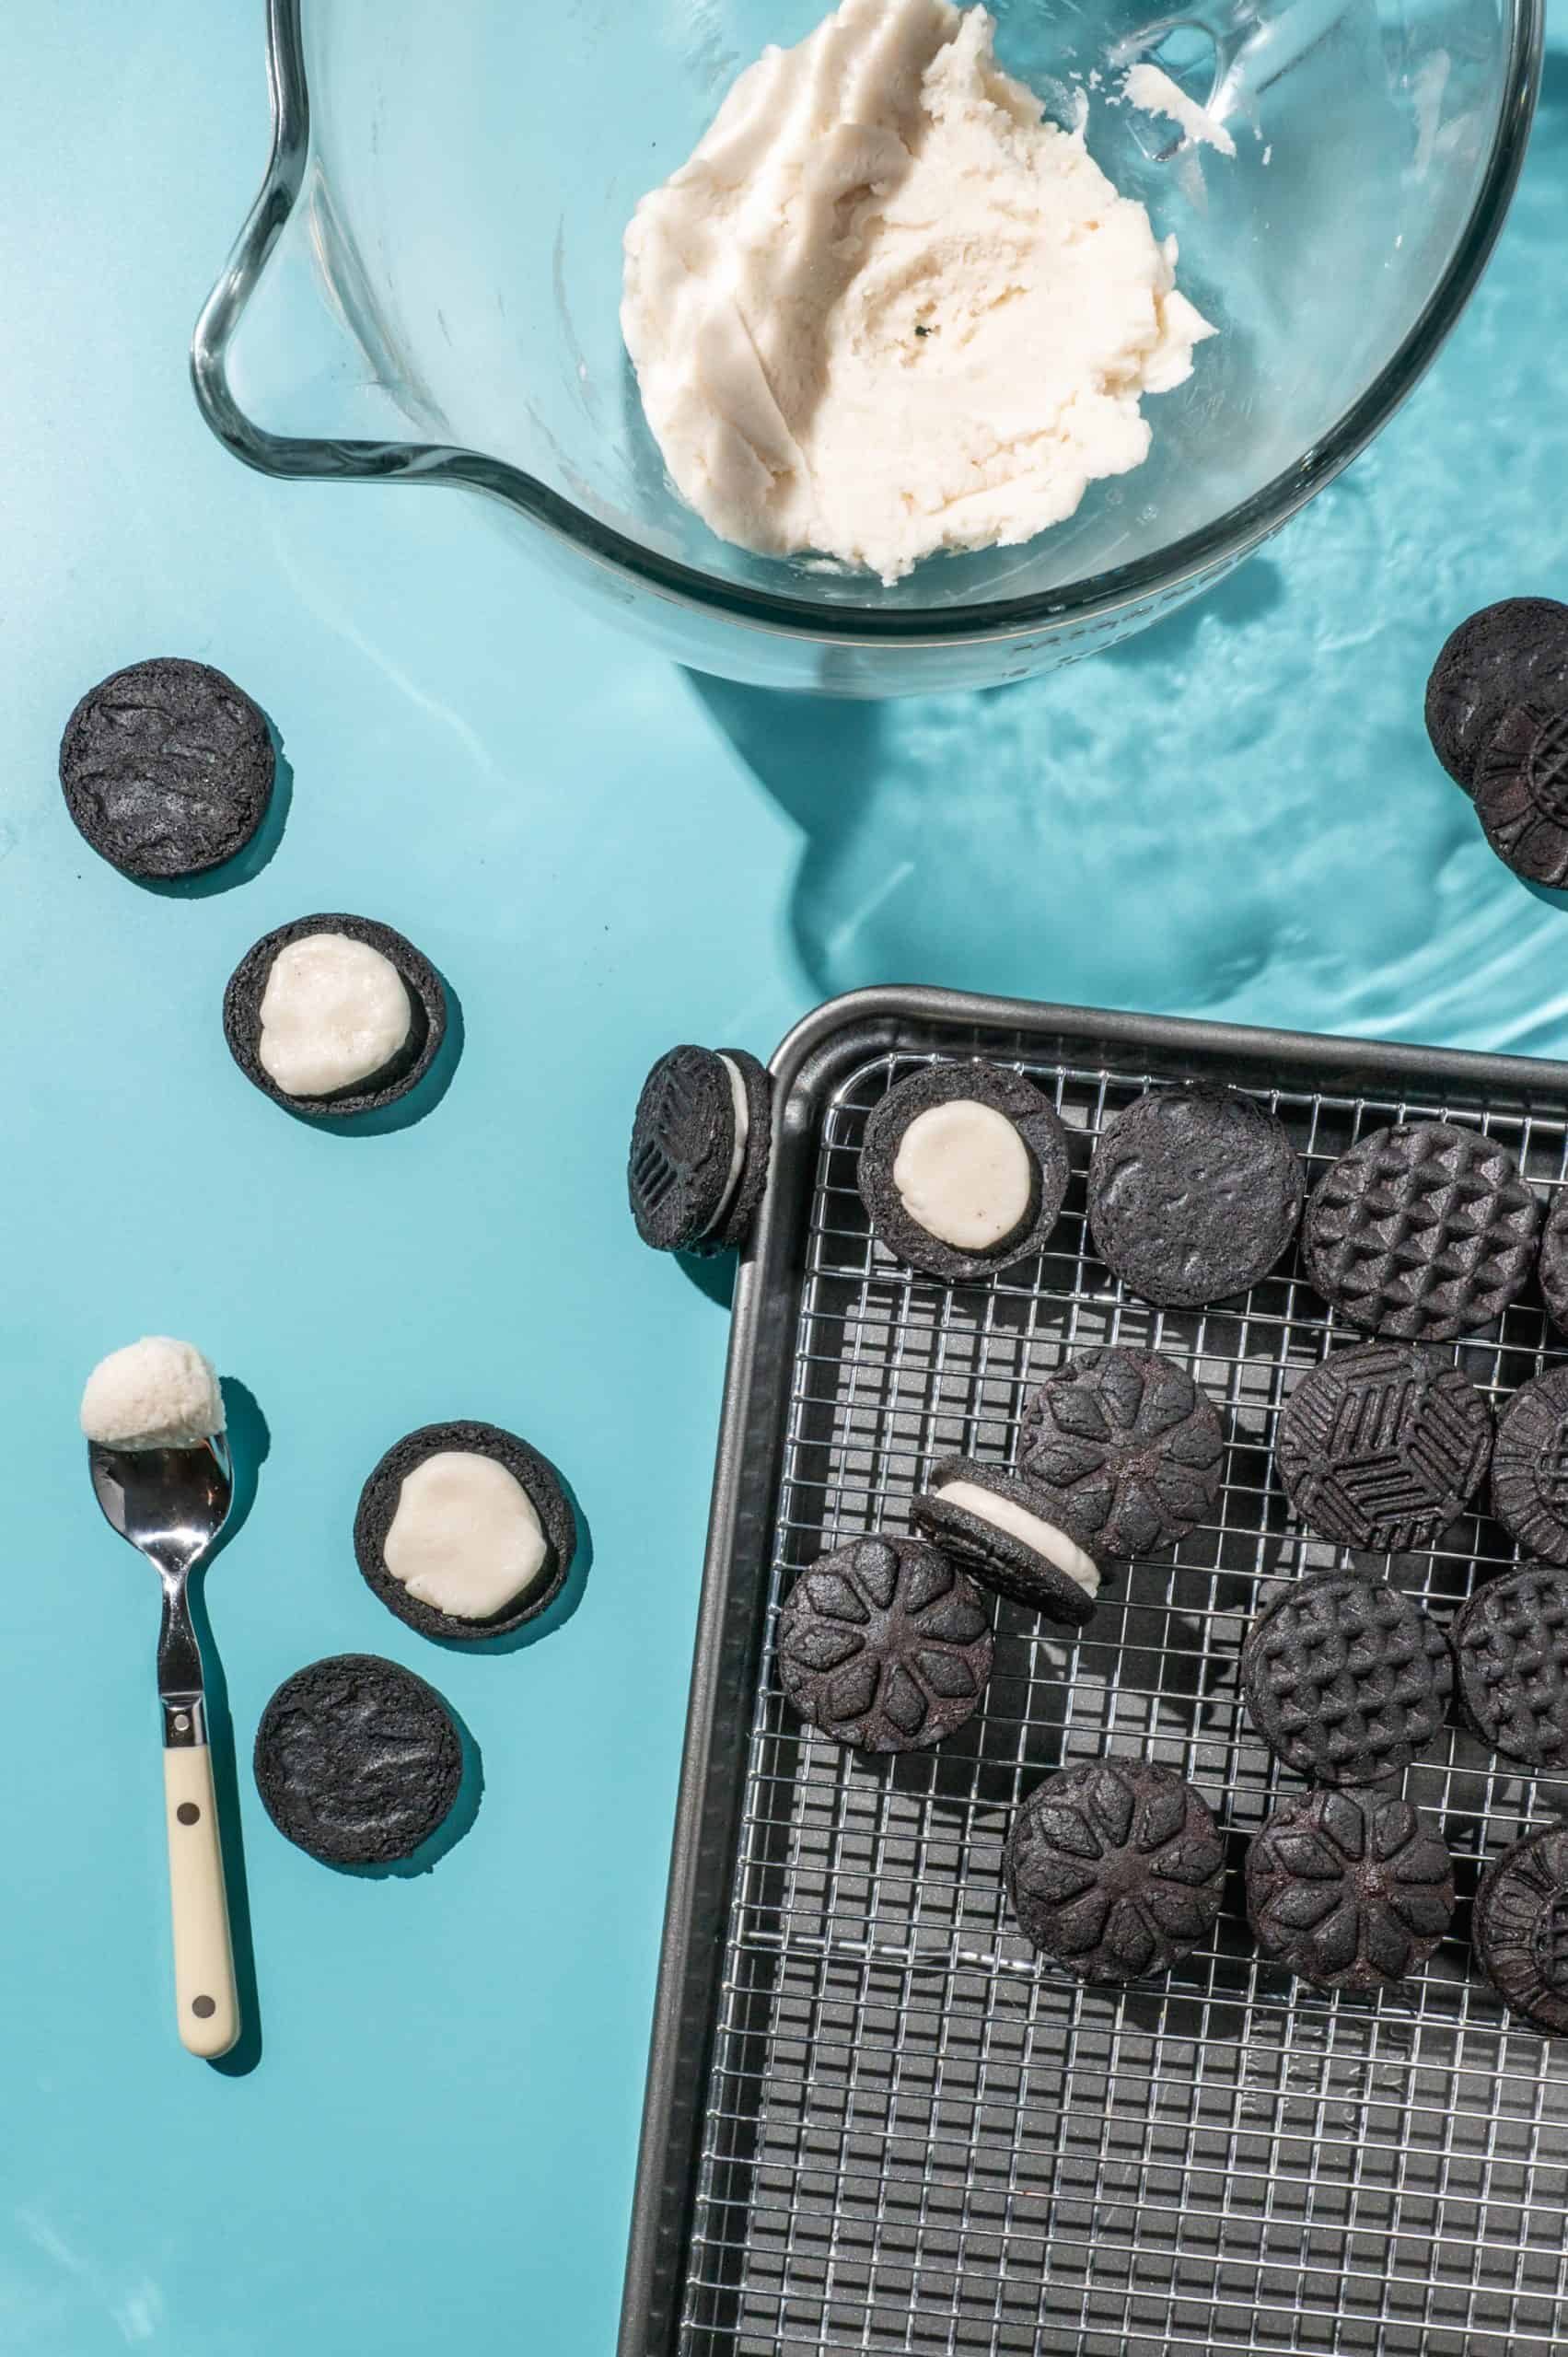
(1345, 1677)
(1194, 1193)
(1521, 1927)
(1511, 1652)
(1115, 1869)
(1426, 1232)
(1349, 1890)
(1530, 1466)
(1554, 1262)
(1123, 1451)
(885, 1646)
(1382, 1448)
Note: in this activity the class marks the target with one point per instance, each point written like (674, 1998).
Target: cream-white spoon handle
(203, 1953)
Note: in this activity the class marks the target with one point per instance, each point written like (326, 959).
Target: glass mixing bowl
(428, 290)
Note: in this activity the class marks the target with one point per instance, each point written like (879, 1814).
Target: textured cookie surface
(1194, 1193)
(682, 1155)
(167, 768)
(1350, 1890)
(1115, 1869)
(1005, 1092)
(532, 1472)
(1521, 1927)
(1521, 790)
(1346, 1678)
(1554, 1262)
(357, 1760)
(885, 1646)
(1529, 1466)
(1510, 1646)
(1000, 1559)
(1381, 1446)
(1502, 655)
(427, 1002)
(1424, 1232)
(1125, 1450)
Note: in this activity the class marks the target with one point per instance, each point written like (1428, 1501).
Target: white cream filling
(1005, 1514)
(157, 1393)
(963, 1171)
(738, 1151)
(465, 1537)
(334, 1011)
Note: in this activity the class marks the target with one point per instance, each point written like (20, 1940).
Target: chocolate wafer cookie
(1502, 655)
(167, 768)
(1382, 1446)
(1521, 789)
(1510, 1646)
(1426, 1232)
(357, 1760)
(1346, 1678)
(1521, 1927)
(1554, 1261)
(1115, 1869)
(997, 1523)
(1529, 1466)
(700, 1145)
(884, 1645)
(1123, 1450)
(1194, 1193)
(963, 1170)
(1350, 1890)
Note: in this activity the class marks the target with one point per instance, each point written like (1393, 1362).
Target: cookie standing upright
(1194, 1195)
(1346, 1678)
(1424, 1231)
(1383, 1446)
(963, 1170)
(1123, 1450)
(700, 1148)
(1350, 1890)
(885, 1646)
(1115, 1869)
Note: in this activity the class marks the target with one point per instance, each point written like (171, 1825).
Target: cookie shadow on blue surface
(421, 1098)
(258, 853)
(557, 1612)
(458, 1821)
(712, 1276)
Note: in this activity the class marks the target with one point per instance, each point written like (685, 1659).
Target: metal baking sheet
(875, 2122)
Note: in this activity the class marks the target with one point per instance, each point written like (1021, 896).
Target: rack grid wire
(919, 2139)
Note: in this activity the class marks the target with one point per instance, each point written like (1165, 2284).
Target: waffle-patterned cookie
(1346, 1678)
(1521, 1927)
(1511, 1653)
(1349, 1890)
(885, 1646)
(1530, 1466)
(1554, 1261)
(1521, 790)
(1123, 1449)
(1382, 1448)
(1115, 1869)
(1425, 1231)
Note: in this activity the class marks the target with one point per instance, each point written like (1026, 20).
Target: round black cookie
(1521, 1927)
(358, 1762)
(379, 1503)
(1426, 1232)
(1194, 1193)
(1036, 1123)
(1346, 1678)
(1123, 1449)
(167, 768)
(1115, 1869)
(1381, 1447)
(1350, 1890)
(1000, 1559)
(885, 1646)
(1510, 1646)
(1521, 789)
(1529, 1466)
(677, 1173)
(1503, 654)
(427, 1005)
(1554, 1262)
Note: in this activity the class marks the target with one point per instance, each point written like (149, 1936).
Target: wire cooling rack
(911, 2134)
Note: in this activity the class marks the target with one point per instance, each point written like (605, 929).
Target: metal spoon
(171, 1503)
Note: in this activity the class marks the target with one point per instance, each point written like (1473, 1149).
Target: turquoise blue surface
(1236, 815)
